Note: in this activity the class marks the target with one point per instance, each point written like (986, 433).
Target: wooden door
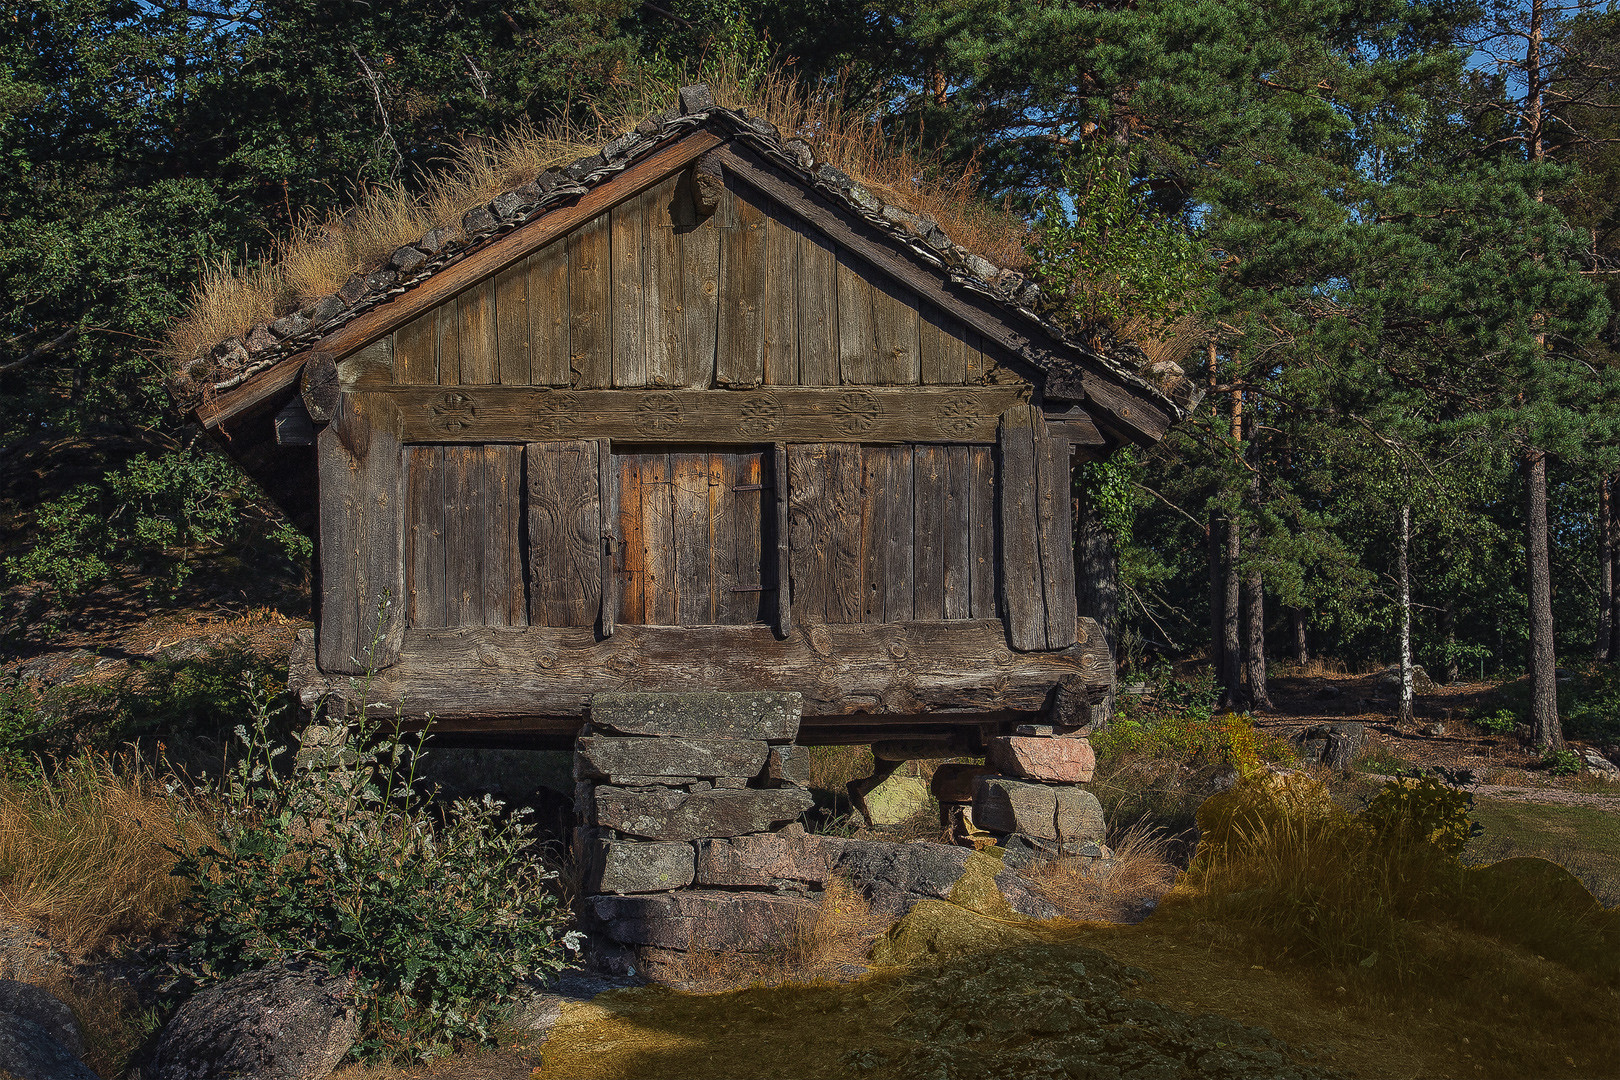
(695, 537)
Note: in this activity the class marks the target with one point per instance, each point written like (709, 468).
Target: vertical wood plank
(983, 553)
(424, 542)
(781, 301)
(783, 569)
(737, 535)
(1023, 591)
(447, 333)
(416, 352)
(464, 535)
(700, 289)
(694, 538)
(944, 352)
(810, 527)
(975, 366)
(740, 360)
(608, 544)
(930, 475)
(955, 534)
(503, 565)
(666, 322)
(628, 315)
(512, 337)
(857, 325)
(476, 307)
(818, 310)
(589, 277)
(632, 569)
(874, 528)
(899, 333)
(565, 566)
(1056, 535)
(846, 570)
(362, 495)
(548, 315)
(898, 567)
(658, 540)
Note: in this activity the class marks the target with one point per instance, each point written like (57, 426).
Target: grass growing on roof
(321, 252)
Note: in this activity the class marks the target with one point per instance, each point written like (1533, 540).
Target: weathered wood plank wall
(891, 533)
(649, 294)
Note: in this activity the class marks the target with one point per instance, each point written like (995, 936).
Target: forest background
(1382, 233)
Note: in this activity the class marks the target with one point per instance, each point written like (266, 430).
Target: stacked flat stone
(688, 806)
(1030, 793)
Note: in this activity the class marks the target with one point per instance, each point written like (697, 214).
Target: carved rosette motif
(959, 418)
(551, 416)
(761, 414)
(658, 413)
(857, 411)
(452, 412)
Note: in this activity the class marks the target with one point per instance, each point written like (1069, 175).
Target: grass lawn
(1583, 839)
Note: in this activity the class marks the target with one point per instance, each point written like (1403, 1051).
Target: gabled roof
(258, 368)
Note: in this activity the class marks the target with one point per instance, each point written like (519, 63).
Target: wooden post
(362, 543)
(609, 502)
(784, 601)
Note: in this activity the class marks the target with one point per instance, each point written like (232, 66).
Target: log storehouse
(696, 414)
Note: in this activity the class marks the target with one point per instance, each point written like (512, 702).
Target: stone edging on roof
(267, 343)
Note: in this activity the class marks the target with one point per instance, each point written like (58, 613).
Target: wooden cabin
(702, 416)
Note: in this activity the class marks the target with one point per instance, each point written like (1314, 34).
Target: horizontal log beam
(466, 414)
(505, 675)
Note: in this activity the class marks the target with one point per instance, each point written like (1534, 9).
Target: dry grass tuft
(1141, 869)
(83, 855)
(110, 1016)
(320, 254)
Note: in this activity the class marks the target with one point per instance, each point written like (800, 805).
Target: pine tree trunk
(1605, 531)
(1231, 610)
(1544, 726)
(1302, 643)
(1448, 630)
(1403, 541)
(1217, 599)
(1254, 618)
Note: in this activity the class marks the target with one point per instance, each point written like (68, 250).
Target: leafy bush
(1594, 714)
(22, 723)
(1563, 762)
(1422, 807)
(154, 516)
(1500, 722)
(1177, 721)
(337, 857)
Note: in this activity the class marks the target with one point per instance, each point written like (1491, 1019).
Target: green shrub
(1594, 713)
(154, 517)
(1418, 807)
(1562, 762)
(22, 726)
(1500, 722)
(1176, 721)
(337, 857)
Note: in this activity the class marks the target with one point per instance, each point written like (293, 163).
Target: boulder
(936, 930)
(1019, 852)
(1004, 805)
(660, 814)
(282, 1023)
(628, 866)
(701, 919)
(608, 758)
(1068, 760)
(953, 782)
(770, 716)
(789, 856)
(1079, 817)
(1389, 680)
(893, 877)
(896, 799)
(1333, 745)
(789, 764)
(32, 1003)
(28, 1051)
(1597, 764)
